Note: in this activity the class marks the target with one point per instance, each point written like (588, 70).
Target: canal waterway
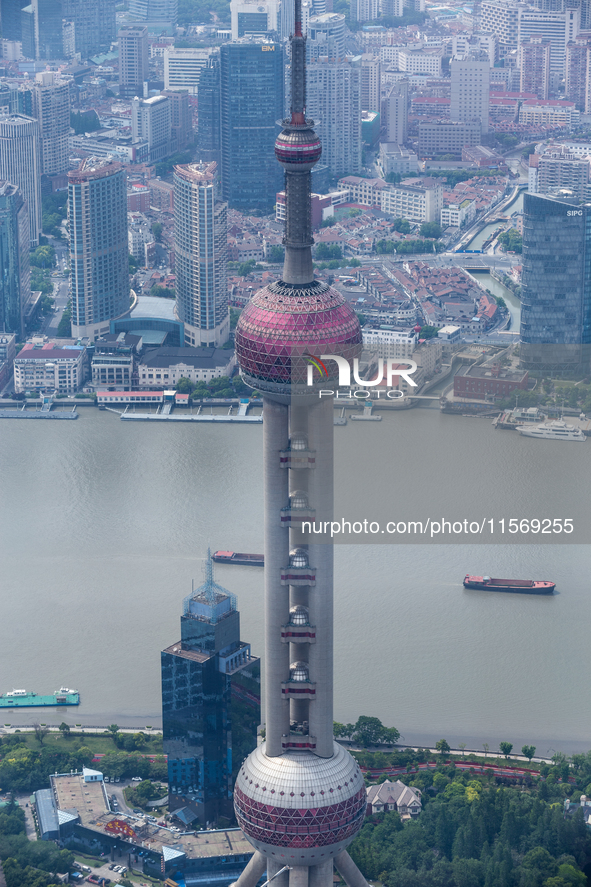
(104, 525)
(515, 206)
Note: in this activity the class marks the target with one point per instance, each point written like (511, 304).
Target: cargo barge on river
(26, 699)
(519, 586)
(239, 557)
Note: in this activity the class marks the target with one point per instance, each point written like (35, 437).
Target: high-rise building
(180, 117)
(15, 273)
(182, 67)
(326, 36)
(254, 17)
(20, 164)
(133, 60)
(210, 703)
(534, 67)
(158, 15)
(501, 17)
(395, 113)
(151, 121)
(334, 99)
(557, 169)
(470, 83)
(209, 104)
(299, 797)
(559, 28)
(251, 87)
(201, 254)
(99, 255)
(94, 24)
(28, 31)
(370, 82)
(365, 10)
(10, 18)
(556, 280)
(51, 108)
(577, 72)
(49, 41)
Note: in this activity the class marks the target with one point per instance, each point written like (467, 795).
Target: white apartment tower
(20, 164)
(395, 113)
(501, 17)
(201, 254)
(253, 17)
(370, 82)
(559, 28)
(182, 67)
(333, 92)
(151, 122)
(51, 108)
(534, 67)
(470, 83)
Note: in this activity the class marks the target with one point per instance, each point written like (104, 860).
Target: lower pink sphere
(298, 808)
(283, 326)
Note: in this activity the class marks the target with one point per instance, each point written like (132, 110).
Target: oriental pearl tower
(299, 798)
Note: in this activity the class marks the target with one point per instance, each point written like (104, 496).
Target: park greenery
(84, 121)
(27, 759)
(53, 212)
(511, 240)
(64, 327)
(480, 827)
(141, 793)
(28, 863)
(220, 387)
(366, 732)
(162, 292)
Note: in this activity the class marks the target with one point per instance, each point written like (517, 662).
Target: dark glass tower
(49, 41)
(208, 99)
(251, 103)
(556, 280)
(10, 16)
(210, 704)
(15, 289)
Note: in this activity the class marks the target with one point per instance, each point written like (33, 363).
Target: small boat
(556, 430)
(239, 557)
(28, 699)
(520, 586)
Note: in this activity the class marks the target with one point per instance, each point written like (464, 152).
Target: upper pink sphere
(284, 325)
(299, 149)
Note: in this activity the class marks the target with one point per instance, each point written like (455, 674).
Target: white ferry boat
(556, 430)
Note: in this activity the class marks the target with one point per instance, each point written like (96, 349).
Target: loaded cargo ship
(521, 586)
(239, 557)
(26, 699)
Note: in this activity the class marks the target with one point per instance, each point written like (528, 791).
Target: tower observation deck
(299, 798)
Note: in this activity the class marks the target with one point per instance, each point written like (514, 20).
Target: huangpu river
(105, 524)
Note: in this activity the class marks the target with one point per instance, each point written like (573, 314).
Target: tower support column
(321, 483)
(276, 492)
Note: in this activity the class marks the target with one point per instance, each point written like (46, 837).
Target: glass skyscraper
(210, 704)
(252, 101)
(556, 280)
(15, 275)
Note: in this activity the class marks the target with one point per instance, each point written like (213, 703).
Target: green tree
(162, 292)
(41, 732)
(84, 121)
(184, 386)
(385, 247)
(64, 729)
(329, 251)
(428, 332)
(430, 229)
(276, 253)
(401, 225)
(506, 748)
(528, 751)
(370, 731)
(157, 230)
(443, 746)
(64, 327)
